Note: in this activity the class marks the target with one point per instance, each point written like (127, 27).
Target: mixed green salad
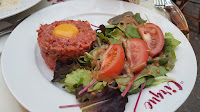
(127, 53)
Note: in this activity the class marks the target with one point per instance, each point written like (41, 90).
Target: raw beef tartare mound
(62, 40)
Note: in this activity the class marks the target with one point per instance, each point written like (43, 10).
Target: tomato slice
(153, 36)
(113, 63)
(136, 54)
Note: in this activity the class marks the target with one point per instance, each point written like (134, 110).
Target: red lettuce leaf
(83, 97)
(116, 20)
(64, 68)
(108, 100)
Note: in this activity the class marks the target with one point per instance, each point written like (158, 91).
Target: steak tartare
(55, 48)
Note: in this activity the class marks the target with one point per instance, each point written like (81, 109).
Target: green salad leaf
(147, 75)
(134, 86)
(77, 77)
(114, 41)
(152, 71)
(149, 81)
(161, 79)
(87, 58)
(163, 61)
(169, 50)
(122, 80)
(116, 34)
(139, 20)
(109, 29)
(102, 37)
(110, 26)
(98, 86)
(174, 42)
(81, 76)
(132, 31)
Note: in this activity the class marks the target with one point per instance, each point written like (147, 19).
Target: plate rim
(28, 108)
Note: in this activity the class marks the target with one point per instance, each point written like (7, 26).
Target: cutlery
(4, 24)
(174, 14)
(7, 27)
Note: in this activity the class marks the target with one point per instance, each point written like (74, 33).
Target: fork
(161, 5)
(174, 14)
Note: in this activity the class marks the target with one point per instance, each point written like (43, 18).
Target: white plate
(28, 78)
(15, 9)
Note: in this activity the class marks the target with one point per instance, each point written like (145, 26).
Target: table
(8, 103)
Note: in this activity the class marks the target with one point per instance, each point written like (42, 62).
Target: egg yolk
(65, 30)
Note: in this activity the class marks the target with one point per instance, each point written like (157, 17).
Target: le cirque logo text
(170, 88)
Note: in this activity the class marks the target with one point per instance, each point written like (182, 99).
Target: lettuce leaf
(108, 100)
(98, 86)
(114, 41)
(63, 68)
(81, 76)
(169, 50)
(135, 85)
(149, 81)
(102, 37)
(132, 31)
(153, 69)
(174, 42)
(161, 79)
(115, 20)
(116, 34)
(143, 77)
(109, 28)
(139, 20)
(122, 80)
(87, 58)
(77, 77)
(84, 96)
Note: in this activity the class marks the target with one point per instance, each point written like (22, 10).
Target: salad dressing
(95, 56)
(128, 19)
(96, 75)
(133, 69)
(124, 83)
(127, 68)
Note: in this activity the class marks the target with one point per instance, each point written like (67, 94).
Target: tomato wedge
(153, 36)
(113, 63)
(137, 54)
